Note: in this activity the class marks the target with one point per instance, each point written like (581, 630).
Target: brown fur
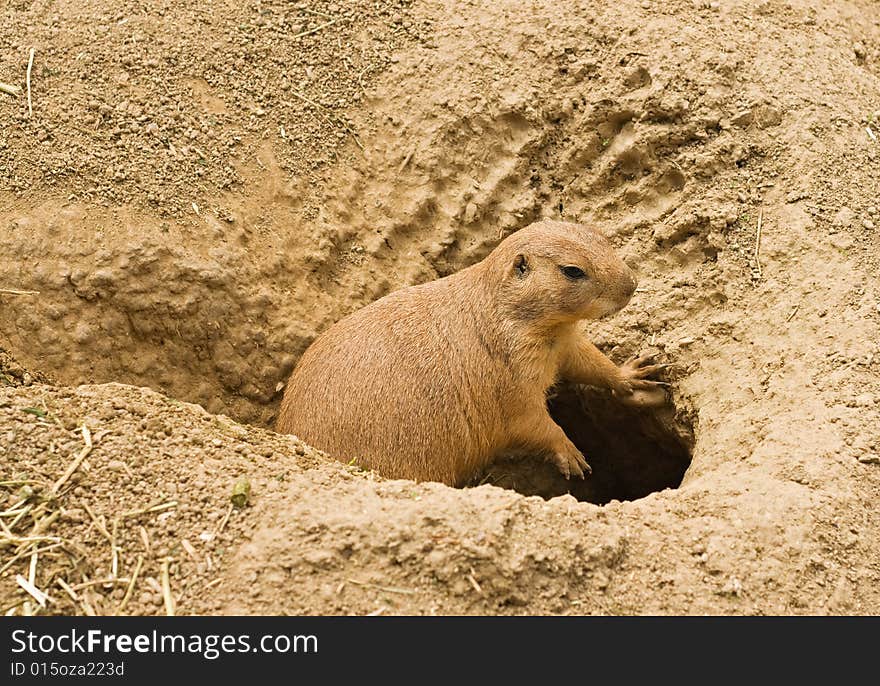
(432, 382)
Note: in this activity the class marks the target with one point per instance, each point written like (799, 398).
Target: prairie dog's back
(378, 385)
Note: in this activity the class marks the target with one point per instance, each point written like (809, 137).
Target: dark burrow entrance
(633, 451)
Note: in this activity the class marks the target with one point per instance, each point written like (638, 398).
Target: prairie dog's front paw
(638, 368)
(569, 460)
(635, 388)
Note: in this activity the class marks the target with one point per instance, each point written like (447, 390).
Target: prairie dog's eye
(573, 273)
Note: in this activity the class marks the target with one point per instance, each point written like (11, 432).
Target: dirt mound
(729, 149)
(154, 483)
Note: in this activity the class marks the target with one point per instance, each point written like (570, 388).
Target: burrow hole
(633, 451)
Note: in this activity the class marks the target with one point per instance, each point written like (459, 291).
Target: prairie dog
(433, 382)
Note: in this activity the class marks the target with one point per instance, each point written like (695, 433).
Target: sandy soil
(198, 193)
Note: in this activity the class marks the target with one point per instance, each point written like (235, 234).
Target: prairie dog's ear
(520, 265)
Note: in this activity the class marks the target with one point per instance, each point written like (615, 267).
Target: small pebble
(842, 242)
(865, 400)
(74, 515)
(844, 217)
(732, 587)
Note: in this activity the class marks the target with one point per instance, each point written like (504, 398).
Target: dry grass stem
(87, 438)
(29, 68)
(166, 588)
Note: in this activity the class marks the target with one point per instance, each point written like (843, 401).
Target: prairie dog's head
(554, 272)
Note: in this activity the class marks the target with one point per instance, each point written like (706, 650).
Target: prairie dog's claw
(571, 462)
(637, 389)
